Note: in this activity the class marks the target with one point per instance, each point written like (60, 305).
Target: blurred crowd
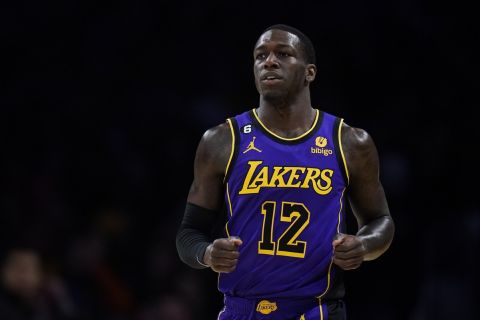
(98, 277)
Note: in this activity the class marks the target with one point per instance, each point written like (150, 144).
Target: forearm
(377, 235)
(191, 245)
(193, 236)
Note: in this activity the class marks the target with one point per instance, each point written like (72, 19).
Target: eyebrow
(281, 45)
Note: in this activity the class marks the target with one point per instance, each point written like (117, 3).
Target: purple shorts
(281, 309)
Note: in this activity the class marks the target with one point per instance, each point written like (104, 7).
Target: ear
(310, 73)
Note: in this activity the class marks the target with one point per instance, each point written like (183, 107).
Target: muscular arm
(367, 200)
(211, 160)
(205, 198)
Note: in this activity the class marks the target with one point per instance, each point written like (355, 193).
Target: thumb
(339, 238)
(236, 240)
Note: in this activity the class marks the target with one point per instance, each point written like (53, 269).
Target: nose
(271, 61)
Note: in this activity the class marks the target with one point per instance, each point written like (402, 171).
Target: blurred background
(102, 107)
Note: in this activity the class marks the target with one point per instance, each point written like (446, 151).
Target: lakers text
(259, 177)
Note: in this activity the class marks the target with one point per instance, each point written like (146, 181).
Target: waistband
(243, 306)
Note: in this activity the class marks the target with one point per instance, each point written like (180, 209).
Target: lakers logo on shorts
(266, 307)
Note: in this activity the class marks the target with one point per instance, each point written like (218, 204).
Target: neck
(286, 117)
(288, 101)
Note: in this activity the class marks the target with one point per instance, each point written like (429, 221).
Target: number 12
(287, 244)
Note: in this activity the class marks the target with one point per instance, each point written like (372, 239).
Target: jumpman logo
(251, 146)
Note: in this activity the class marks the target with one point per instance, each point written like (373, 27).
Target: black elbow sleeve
(193, 236)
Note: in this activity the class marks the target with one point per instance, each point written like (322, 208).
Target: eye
(260, 56)
(283, 54)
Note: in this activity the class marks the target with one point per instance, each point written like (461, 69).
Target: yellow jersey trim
(341, 149)
(287, 139)
(233, 149)
(320, 307)
(226, 230)
(331, 262)
(229, 201)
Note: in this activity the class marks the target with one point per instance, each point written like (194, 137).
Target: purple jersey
(285, 200)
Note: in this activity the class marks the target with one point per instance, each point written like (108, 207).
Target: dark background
(103, 105)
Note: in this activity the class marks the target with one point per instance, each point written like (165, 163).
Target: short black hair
(307, 45)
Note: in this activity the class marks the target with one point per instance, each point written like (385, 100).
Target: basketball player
(284, 171)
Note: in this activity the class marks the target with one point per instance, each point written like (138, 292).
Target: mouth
(270, 78)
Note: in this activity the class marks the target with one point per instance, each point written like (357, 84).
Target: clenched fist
(222, 255)
(348, 251)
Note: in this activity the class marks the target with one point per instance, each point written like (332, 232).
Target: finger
(343, 256)
(225, 244)
(223, 263)
(351, 266)
(337, 242)
(219, 254)
(236, 240)
(348, 246)
(349, 253)
(350, 261)
(339, 238)
(237, 243)
(347, 266)
(347, 257)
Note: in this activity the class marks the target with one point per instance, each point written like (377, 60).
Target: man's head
(22, 272)
(305, 42)
(284, 62)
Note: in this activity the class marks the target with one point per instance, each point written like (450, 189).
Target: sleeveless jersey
(285, 200)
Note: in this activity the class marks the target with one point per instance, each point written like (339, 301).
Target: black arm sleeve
(193, 236)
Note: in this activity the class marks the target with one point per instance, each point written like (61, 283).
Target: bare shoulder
(356, 138)
(215, 147)
(215, 140)
(359, 148)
